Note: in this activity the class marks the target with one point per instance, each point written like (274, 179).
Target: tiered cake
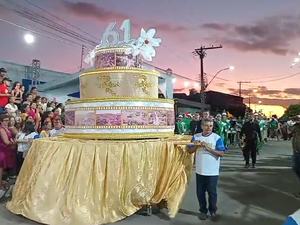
(119, 99)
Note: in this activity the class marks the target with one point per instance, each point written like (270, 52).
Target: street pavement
(262, 196)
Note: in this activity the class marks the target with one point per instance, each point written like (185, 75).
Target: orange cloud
(270, 97)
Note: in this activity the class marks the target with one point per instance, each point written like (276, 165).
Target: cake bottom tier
(120, 118)
(88, 182)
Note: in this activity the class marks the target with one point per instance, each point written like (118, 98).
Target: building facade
(19, 72)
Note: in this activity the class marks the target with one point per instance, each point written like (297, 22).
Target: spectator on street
(209, 148)
(4, 93)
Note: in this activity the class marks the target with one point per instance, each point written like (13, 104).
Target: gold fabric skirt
(75, 182)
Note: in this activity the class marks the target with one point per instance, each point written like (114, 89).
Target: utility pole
(81, 58)
(201, 52)
(240, 86)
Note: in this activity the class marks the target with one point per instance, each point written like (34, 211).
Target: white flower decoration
(145, 44)
(134, 50)
(89, 59)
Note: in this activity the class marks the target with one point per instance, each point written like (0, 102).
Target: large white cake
(119, 98)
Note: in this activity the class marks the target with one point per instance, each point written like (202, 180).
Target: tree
(293, 110)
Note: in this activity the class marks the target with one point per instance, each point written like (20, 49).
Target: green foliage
(293, 110)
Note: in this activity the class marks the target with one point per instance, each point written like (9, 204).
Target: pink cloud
(99, 13)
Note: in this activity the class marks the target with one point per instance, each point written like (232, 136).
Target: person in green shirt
(220, 128)
(274, 126)
(187, 122)
(180, 125)
(226, 125)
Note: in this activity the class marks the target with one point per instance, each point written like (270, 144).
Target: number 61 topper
(144, 45)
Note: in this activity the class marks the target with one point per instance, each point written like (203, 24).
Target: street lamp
(228, 68)
(186, 83)
(29, 38)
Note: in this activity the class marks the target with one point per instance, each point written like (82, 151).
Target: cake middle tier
(119, 82)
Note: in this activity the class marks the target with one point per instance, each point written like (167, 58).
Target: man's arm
(220, 148)
(191, 148)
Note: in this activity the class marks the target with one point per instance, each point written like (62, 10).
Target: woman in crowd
(34, 92)
(12, 127)
(17, 93)
(47, 116)
(7, 146)
(59, 107)
(24, 140)
(38, 100)
(47, 126)
(55, 113)
(25, 111)
(32, 110)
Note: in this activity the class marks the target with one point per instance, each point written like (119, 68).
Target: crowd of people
(24, 116)
(229, 127)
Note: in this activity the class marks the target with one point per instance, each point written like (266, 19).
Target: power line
(278, 79)
(240, 86)
(61, 19)
(46, 22)
(38, 33)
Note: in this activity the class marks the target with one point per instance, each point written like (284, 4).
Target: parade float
(119, 153)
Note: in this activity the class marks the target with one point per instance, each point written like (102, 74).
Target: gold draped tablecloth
(86, 182)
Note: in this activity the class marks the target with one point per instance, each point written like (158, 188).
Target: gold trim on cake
(122, 127)
(110, 49)
(115, 136)
(119, 69)
(119, 99)
(79, 108)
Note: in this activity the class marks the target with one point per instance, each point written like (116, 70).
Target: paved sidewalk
(262, 196)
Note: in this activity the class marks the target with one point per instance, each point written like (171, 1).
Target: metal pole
(249, 101)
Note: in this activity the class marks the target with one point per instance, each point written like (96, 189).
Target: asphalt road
(261, 196)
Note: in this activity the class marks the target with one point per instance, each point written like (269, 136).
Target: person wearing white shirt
(208, 148)
(58, 127)
(11, 107)
(24, 140)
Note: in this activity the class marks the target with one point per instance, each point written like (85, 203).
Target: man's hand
(199, 143)
(207, 146)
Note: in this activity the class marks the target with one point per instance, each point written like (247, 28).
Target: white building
(17, 72)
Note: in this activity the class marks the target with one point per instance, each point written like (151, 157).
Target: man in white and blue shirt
(208, 147)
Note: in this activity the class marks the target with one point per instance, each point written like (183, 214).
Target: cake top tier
(143, 45)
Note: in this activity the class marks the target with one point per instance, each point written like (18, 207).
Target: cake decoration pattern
(119, 97)
(107, 84)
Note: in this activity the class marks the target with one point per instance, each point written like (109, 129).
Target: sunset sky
(260, 39)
